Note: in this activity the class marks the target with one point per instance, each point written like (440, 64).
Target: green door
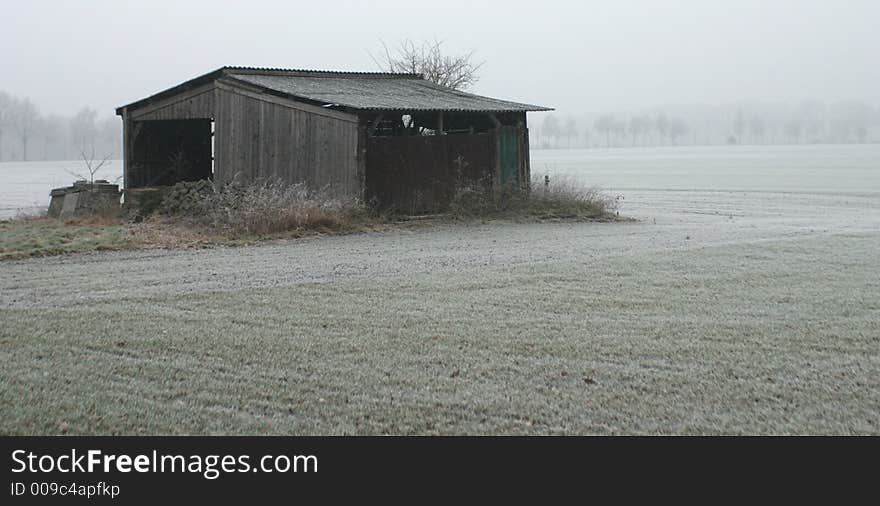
(508, 154)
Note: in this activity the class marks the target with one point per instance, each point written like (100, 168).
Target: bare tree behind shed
(456, 71)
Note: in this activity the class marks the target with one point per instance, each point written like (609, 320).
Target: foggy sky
(577, 56)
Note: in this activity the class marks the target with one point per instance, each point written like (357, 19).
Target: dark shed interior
(165, 152)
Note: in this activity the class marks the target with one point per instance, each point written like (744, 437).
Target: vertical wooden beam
(496, 144)
(130, 131)
(526, 159)
(362, 162)
(126, 150)
(440, 123)
(217, 138)
(524, 169)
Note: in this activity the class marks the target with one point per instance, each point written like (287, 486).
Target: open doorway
(166, 152)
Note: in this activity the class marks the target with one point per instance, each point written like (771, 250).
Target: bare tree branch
(91, 166)
(458, 72)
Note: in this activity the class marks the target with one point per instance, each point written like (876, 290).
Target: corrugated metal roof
(373, 91)
(312, 72)
(354, 90)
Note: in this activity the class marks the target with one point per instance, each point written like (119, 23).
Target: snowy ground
(716, 312)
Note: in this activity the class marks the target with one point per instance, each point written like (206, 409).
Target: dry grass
(162, 232)
(41, 236)
(563, 198)
(199, 215)
(262, 208)
(191, 215)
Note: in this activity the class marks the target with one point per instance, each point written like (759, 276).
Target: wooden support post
(126, 150)
(525, 152)
(440, 123)
(131, 131)
(526, 159)
(362, 162)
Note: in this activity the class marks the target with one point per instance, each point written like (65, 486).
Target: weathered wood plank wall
(263, 137)
(194, 104)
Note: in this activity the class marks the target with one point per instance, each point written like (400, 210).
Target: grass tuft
(34, 237)
(262, 208)
(563, 198)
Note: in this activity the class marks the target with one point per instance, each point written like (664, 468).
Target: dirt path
(667, 221)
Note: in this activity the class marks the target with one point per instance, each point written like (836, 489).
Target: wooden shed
(395, 140)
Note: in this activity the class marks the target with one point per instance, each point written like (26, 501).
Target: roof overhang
(435, 98)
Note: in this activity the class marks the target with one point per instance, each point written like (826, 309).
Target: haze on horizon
(574, 56)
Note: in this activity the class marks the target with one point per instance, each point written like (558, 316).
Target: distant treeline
(26, 134)
(810, 122)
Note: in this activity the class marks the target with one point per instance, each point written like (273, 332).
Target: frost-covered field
(812, 168)
(719, 311)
